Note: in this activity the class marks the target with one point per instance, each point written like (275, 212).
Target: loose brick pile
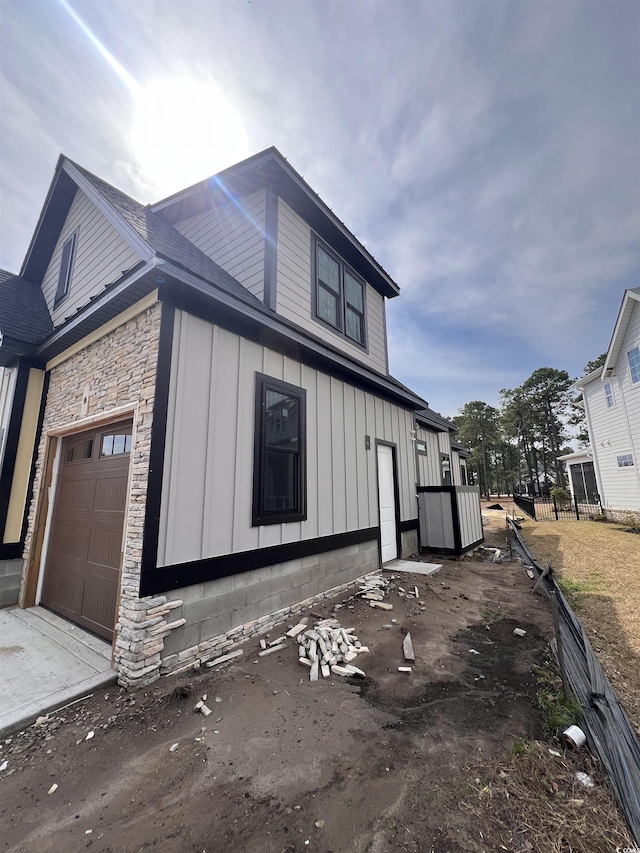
(329, 648)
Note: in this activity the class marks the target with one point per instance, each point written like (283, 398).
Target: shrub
(631, 522)
(562, 496)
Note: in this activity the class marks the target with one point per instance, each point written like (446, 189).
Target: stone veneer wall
(120, 369)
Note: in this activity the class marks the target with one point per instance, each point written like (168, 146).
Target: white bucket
(574, 736)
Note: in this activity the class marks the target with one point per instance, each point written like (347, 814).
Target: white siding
(208, 474)
(615, 431)
(294, 292)
(101, 256)
(232, 234)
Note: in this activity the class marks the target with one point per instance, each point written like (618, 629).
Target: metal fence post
(575, 501)
(555, 506)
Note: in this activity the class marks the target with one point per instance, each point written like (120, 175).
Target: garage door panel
(70, 541)
(78, 493)
(110, 494)
(104, 548)
(84, 554)
(99, 605)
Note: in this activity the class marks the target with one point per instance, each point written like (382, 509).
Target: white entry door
(386, 497)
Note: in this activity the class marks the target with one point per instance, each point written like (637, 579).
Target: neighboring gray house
(212, 437)
(611, 398)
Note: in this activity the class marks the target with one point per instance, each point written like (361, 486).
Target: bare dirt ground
(394, 762)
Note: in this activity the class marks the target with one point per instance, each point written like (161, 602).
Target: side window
(445, 464)
(279, 465)
(66, 267)
(633, 356)
(339, 295)
(608, 393)
(463, 474)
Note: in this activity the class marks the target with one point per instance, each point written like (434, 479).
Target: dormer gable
(263, 223)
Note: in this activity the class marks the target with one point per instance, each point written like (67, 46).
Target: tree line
(516, 445)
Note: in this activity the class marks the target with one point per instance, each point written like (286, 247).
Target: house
(212, 439)
(611, 397)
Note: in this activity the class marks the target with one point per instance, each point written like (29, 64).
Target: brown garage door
(85, 543)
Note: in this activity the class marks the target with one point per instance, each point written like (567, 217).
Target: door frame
(396, 497)
(46, 497)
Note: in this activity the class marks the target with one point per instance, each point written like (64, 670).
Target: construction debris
(407, 649)
(519, 632)
(224, 658)
(271, 649)
(404, 669)
(329, 648)
(383, 605)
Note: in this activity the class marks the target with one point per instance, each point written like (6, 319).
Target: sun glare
(185, 131)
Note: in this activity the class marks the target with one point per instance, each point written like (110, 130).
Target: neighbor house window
(445, 464)
(634, 364)
(608, 392)
(339, 295)
(279, 488)
(66, 266)
(625, 460)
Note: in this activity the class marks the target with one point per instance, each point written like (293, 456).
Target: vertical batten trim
(158, 442)
(270, 248)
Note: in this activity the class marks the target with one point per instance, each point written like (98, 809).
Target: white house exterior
(612, 406)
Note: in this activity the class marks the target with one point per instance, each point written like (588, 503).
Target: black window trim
(66, 271)
(260, 516)
(340, 330)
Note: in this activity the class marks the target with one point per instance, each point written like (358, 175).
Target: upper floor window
(625, 460)
(608, 392)
(634, 364)
(66, 266)
(463, 474)
(279, 490)
(339, 295)
(445, 465)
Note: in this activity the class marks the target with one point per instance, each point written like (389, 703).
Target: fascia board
(272, 323)
(139, 246)
(624, 315)
(579, 384)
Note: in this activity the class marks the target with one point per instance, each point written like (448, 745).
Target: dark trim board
(451, 552)
(11, 550)
(158, 439)
(12, 439)
(410, 524)
(165, 578)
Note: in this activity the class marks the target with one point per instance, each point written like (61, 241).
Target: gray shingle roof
(432, 418)
(24, 315)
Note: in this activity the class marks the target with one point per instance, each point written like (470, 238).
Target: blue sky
(486, 153)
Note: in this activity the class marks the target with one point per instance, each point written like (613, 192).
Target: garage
(82, 567)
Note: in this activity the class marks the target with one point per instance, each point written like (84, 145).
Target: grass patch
(598, 569)
(559, 711)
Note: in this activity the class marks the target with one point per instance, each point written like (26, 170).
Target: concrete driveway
(46, 662)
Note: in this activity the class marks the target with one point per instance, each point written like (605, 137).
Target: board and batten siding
(294, 293)
(429, 467)
(101, 256)
(232, 234)
(208, 473)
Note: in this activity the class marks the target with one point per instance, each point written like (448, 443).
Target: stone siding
(120, 369)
